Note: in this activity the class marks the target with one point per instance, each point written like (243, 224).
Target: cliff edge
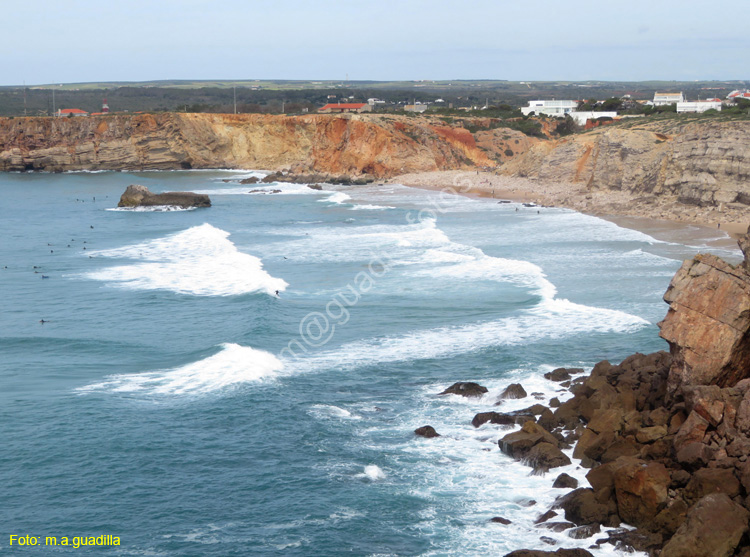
(343, 144)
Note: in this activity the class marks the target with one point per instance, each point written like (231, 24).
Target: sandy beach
(662, 217)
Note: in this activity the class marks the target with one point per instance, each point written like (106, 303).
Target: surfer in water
(277, 294)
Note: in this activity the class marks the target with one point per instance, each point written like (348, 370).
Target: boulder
(426, 431)
(559, 374)
(519, 443)
(514, 390)
(584, 531)
(500, 520)
(641, 489)
(713, 528)
(544, 456)
(564, 481)
(581, 507)
(467, 389)
(711, 480)
(545, 517)
(140, 196)
(493, 418)
(691, 431)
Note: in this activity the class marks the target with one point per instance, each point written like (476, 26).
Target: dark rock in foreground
(140, 196)
(426, 431)
(558, 553)
(467, 389)
(514, 390)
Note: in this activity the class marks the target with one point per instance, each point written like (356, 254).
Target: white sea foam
(550, 319)
(328, 411)
(260, 188)
(231, 366)
(155, 209)
(373, 473)
(465, 465)
(200, 261)
(338, 197)
(368, 207)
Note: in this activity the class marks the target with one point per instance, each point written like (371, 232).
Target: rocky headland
(666, 436)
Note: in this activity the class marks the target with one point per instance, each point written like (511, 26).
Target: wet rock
(467, 389)
(519, 443)
(583, 532)
(547, 420)
(559, 553)
(545, 517)
(554, 402)
(316, 187)
(514, 390)
(500, 520)
(493, 418)
(426, 431)
(564, 481)
(582, 508)
(251, 180)
(557, 526)
(559, 374)
(544, 456)
(630, 541)
(140, 196)
(713, 528)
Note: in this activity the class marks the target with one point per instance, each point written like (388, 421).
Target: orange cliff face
(381, 146)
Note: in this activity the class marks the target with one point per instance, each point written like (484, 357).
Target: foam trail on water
(231, 366)
(155, 209)
(338, 197)
(257, 189)
(550, 319)
(200, 261)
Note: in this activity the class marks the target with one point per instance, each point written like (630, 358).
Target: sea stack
(140, 196)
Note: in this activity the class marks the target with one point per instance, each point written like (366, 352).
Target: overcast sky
(68, 41)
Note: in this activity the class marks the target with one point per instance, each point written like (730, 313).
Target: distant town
(586, 103)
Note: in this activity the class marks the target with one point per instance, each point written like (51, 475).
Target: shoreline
(663, 220)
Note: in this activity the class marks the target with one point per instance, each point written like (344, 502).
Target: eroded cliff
(343, 144)
(703, 164)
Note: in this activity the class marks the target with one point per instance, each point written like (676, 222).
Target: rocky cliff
(704, 163)
(342, 144)
(666, 436)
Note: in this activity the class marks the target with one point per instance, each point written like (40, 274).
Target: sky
(74, 41)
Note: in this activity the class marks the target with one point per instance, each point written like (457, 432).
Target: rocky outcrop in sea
(140, 196)
(666, 436)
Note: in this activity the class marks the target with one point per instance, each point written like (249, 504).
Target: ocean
(246, 379)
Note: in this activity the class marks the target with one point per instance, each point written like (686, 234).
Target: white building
(415, 107)
(582, 117)
(698, 106)
(550, 108)
(661, 99)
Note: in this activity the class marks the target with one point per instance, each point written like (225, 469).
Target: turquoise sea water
(172, 399)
